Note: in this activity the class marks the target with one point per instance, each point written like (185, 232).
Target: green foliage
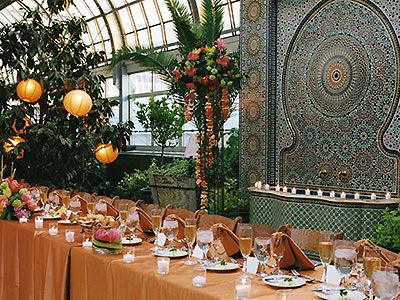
(130, 185)
(178, 168)
(56, 6)
(59, 147)
(213, 16)
(164, 122)
(232, 197)
(388, 232)
(231, 155)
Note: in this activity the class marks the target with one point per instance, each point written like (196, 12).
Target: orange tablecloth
(95, 276)
(33, 264)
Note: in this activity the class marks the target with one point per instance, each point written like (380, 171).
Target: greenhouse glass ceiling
(116, 23)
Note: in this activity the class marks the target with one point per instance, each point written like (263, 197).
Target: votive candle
(320, 193)
(284, 189)
(343, 195)
(53, 229)
(87, 244)
(38, 223)
(70, 236)
(129, 257)
(308, 192)
(357, 196)
(373, 196)
(332, 194)
(163, 265)
(294, 191)
(243, 288)
(388, 196)
(277, 188)
(23, 219)
(267, 187)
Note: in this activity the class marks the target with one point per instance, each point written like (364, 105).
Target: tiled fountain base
(357, 220)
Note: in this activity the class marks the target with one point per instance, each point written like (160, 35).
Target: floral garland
(209, 80)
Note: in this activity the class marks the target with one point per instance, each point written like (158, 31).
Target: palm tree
(190, 32)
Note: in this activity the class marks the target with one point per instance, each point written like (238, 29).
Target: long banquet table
(34, 265)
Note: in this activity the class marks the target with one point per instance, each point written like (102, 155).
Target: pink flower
(220, 44)
(31, 205)
(177, 74)
(190, 71)
(26, 197)
(223, 61)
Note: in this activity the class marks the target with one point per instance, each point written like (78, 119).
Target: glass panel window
(140, 83)
(157, 36)
(110, 89)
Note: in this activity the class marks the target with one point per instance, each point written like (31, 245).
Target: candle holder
(23, 219)
(243, 287)
(320, 193)
(53, 228)
(294, 191)
(70, 236)
(38, 222)
(388, 196)
(199, 276)
(129, 257)
(163, 265)
(357, 196)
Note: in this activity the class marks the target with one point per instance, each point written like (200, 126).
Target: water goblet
(385, 283)
(371, 261)
(204, 238)
(345, 257)
(132, 220)
(278, 251)
(170, 229)
(262, 251)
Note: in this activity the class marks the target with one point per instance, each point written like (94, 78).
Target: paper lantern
(12, 142)
(105, 153)
(29, 90)
(77, 103)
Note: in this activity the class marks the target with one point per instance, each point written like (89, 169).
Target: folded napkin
(293, 257)
(387, 257)
(144, 220)
(229, 239)
(217, 250)
(83, 204)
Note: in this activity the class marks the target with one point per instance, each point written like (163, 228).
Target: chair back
(207, 220)
(104, 199)
(119, 202)
(83, 202)
(308, 240)
(262, 230)
(149, 207)
(182, 213)
(87, 196)
(144, 220)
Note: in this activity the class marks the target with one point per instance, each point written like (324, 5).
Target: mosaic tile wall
(304, 60)
(356, 221)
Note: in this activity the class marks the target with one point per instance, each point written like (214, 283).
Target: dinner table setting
(69, 248)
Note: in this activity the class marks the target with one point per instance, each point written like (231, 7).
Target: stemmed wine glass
(326, 250)
(204, 239)
(156, 224)
(371, 261)
(54, 201)
(262, 251)
(170, 229)
(385, 283)
(345, 258)
(132, 220)
(75, 207)
(278, 251)
(65, 198)
(190, 238)
(101, 208)
(245, 234)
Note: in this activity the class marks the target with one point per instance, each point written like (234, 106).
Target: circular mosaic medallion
(337, 76)
(252, 111)
(252, 145)
(254, 78)
(254, 11)
(253, 44)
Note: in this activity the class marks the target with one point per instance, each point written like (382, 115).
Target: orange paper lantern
(12, 142)
(105, 153)
(77, 103)
(29, 90)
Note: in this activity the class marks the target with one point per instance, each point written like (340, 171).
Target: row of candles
(53, 231)
(320, 193)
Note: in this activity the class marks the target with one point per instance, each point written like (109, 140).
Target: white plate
(50, 217)
(351, 295)
(38, 209)
(171, 254)
(67, 222)
(280, 282)
(132, 241)
(218, 267)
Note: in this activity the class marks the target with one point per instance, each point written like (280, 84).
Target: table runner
(95, 276)
(33, 265)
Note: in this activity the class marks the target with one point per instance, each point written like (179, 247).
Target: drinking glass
(278, 251)
(170, 229)
(371, 261)
(101, 208)
(65, 198)
(54, 201)
(385, 283)
(75, 206)
(204, 238)
(326, 250)
(245, 234)
(345, 258)
(132, 220)
(262, 250)
(156, 223)
(190, 238)
(123, 212)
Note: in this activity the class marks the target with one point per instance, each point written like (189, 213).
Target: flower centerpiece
(15, 200)
(205, 78)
